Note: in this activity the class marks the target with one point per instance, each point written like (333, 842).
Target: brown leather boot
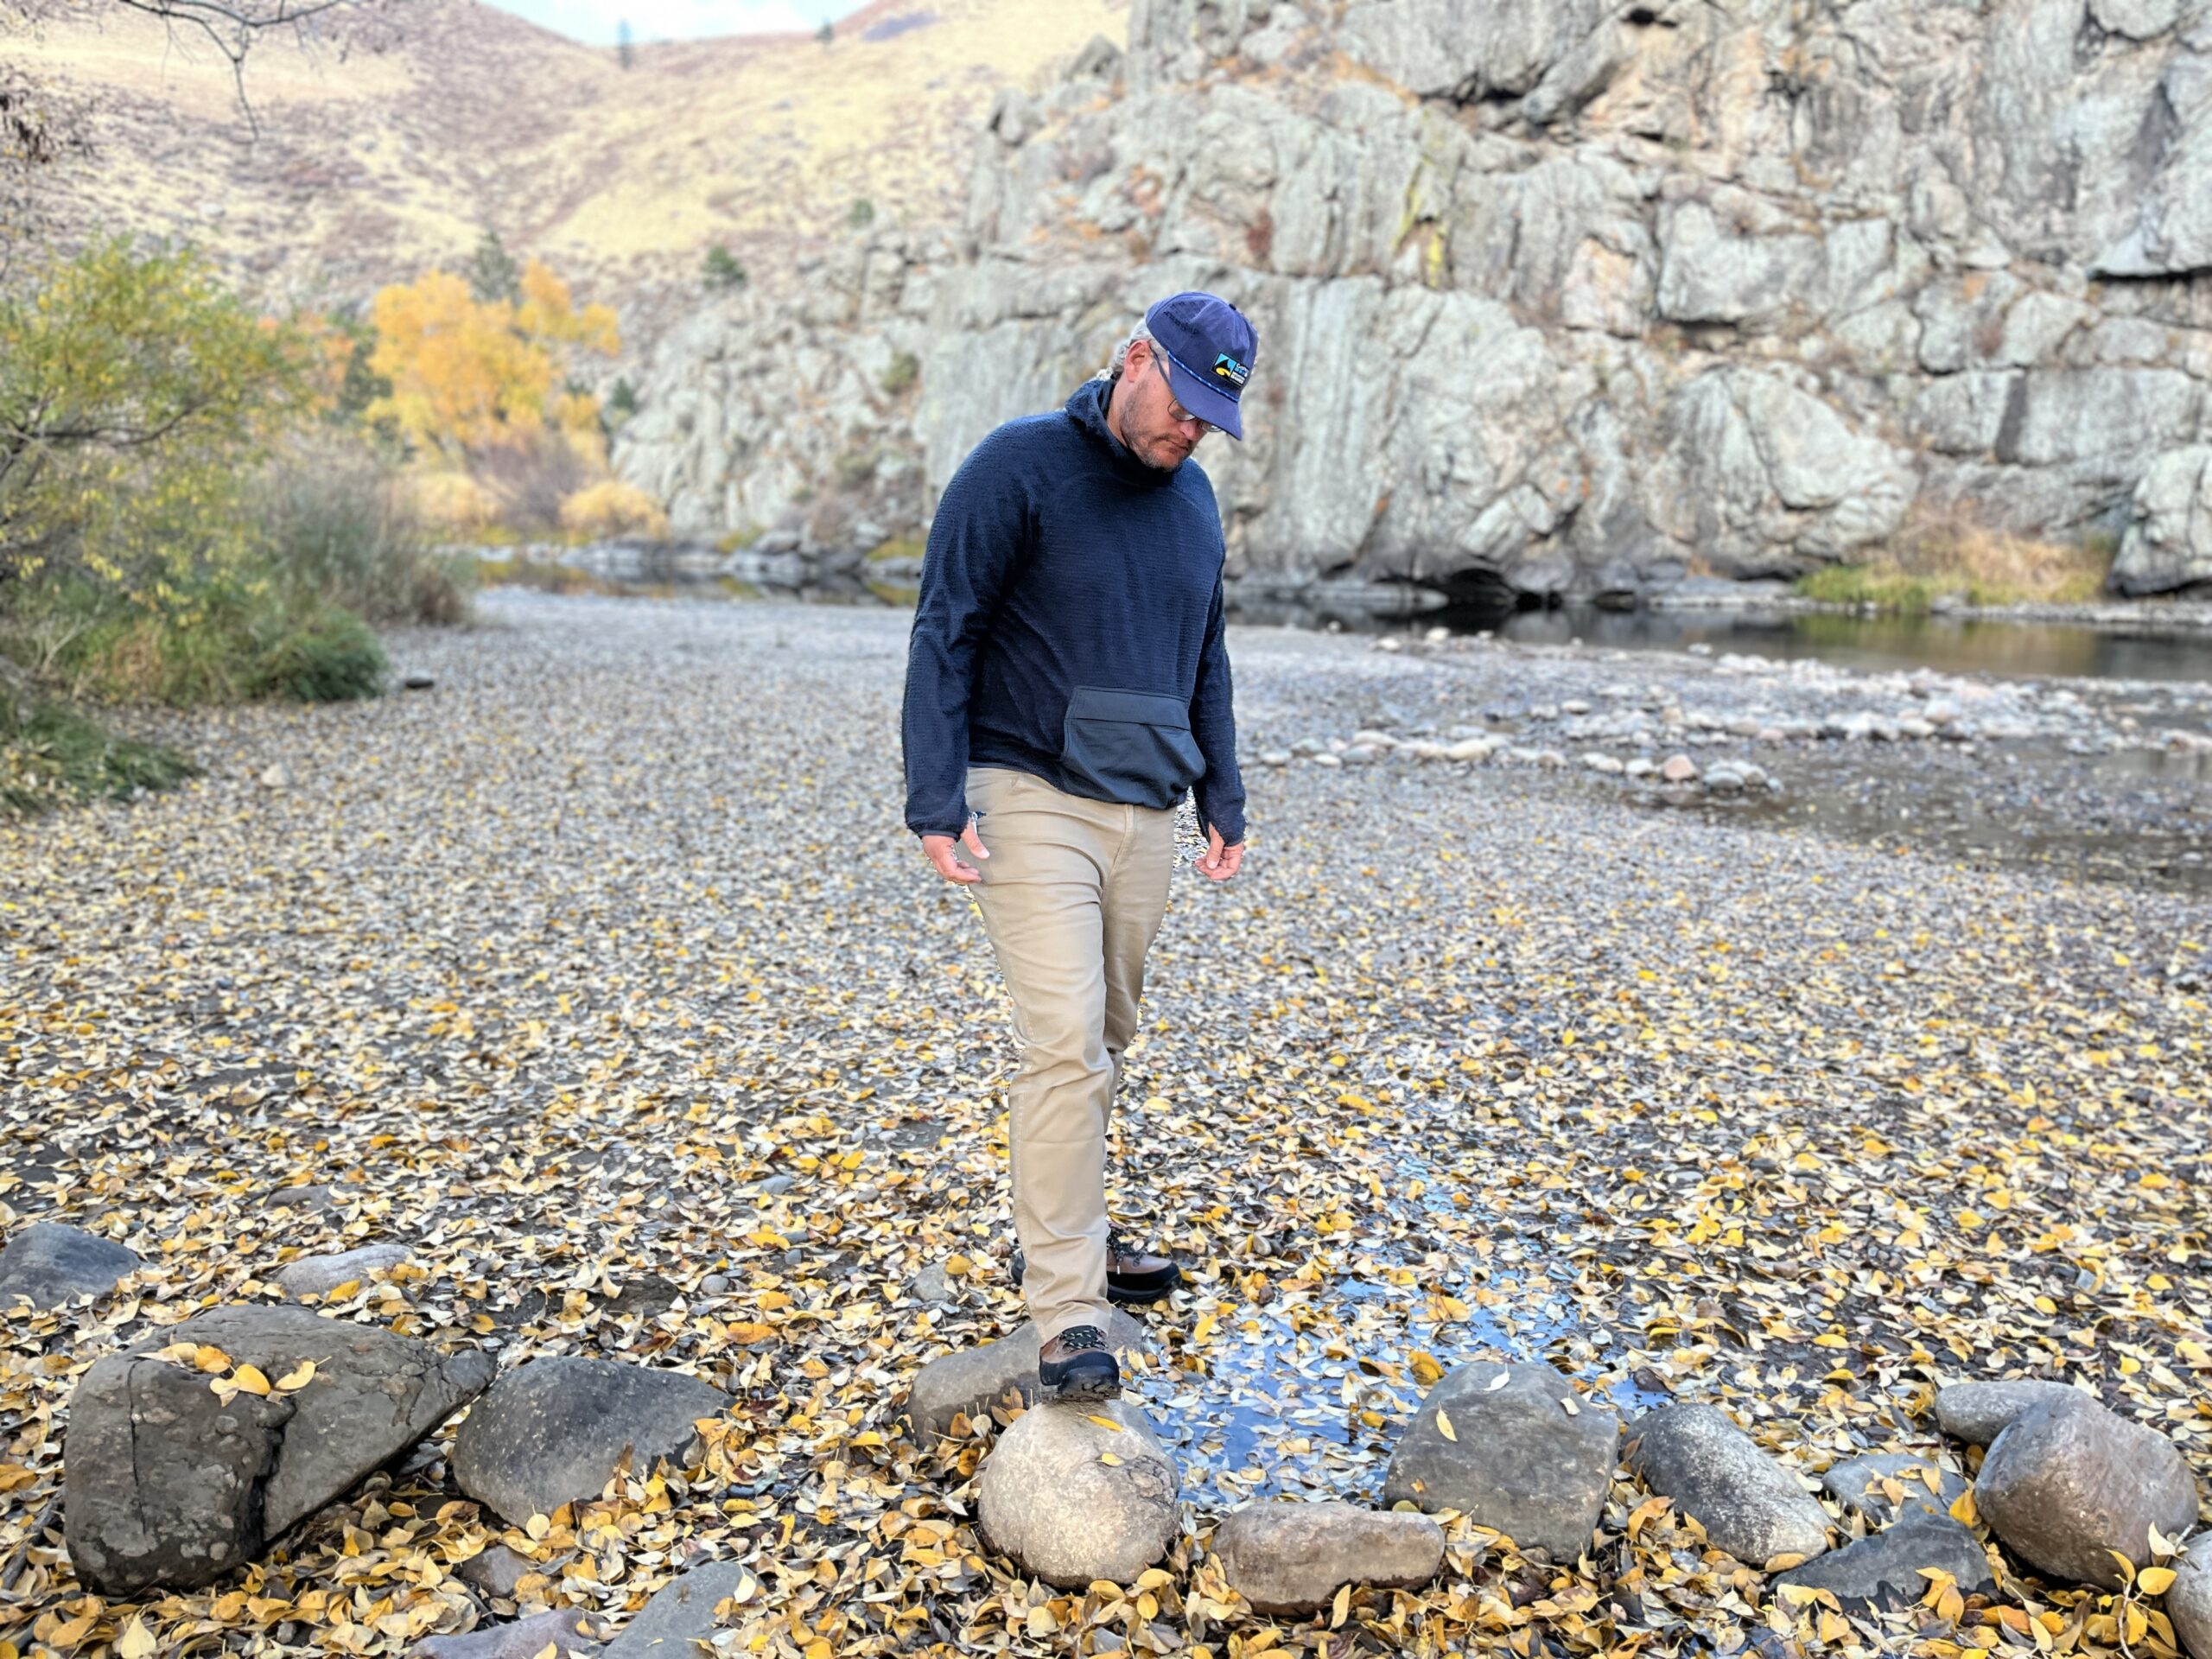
(1076, 1364)
(1133, 1276)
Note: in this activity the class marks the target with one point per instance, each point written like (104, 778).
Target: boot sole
(1096, 1385)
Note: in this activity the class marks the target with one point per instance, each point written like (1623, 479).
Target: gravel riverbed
(605, 962)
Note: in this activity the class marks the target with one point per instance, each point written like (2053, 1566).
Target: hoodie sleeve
(1220, 791)
(981, 527)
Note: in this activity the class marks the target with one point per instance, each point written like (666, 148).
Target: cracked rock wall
(1573, 297)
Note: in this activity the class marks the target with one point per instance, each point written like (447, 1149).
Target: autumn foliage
(482, 387)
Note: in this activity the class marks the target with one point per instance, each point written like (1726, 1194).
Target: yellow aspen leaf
(1650, 1510)
(210, 1359)
(299, 1376)
(1042, 1623)
(1103, 1422)
(1784, 1562)
(1109, 1459)
(2138, 1625)
(1153, 1577)
(136, 1642)
(1340, 1609)
(1148, 1604)
(1950, 1604)
(1443, 1425)
(1963, 1509)
(1427, 1371)
(750, 1331)
(2127, 1566)
(959, 1267)
(2155, 1580)
(1835, 1628)
(250, 1380)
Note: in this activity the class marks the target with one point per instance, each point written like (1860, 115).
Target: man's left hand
(1217, 862)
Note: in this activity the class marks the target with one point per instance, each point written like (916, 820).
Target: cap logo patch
(1230, 370)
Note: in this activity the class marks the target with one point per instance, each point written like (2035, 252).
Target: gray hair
(1113, 369)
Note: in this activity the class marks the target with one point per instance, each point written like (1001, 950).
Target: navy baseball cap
(1209, 347)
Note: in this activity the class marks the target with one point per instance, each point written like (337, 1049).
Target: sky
(598, 22)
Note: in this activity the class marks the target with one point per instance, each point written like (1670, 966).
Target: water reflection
(1882, 643)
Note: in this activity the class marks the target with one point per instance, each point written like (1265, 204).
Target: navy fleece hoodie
(1069, 625)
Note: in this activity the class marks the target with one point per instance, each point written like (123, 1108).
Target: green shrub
(51, 754)
(328, 655)
(720, 270)
(862, 214)
(903, 371)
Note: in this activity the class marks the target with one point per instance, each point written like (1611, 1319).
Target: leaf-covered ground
(547, 968)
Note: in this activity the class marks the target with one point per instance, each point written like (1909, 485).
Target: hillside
(372, 166)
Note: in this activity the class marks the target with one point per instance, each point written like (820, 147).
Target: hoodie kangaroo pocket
(1132, 746)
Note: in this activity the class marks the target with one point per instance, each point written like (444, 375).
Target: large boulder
(167, 1485)
(2188, 1601)
(682, 1612)
(49, 1263)
(970, 1381)
(1077, 1492)
(1748, 1505)
(1524, 1453)
(2072, 1482)
(553, 1431)
(1290, 1558)
(2168, 542)
(1977, 1413)
(1883, 1573)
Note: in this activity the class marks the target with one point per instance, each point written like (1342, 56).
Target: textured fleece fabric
(1069, 625)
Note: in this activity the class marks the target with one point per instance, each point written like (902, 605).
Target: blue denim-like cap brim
(1204, 401)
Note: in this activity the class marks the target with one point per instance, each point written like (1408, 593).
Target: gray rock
(1678, 769)
(1978, 1412)
(569, 1631)
(167, 1484)
(971, 1380)
(1882, 1572)
(931, 1284)
(497, 1570)
(1290, 1558)
(551, 1431)
(1856, 1483)
(2168, 542)
(2070, 1481)
(1516, 1457)
(318, 1275)
(683, 1613)
(276, 775)
(773, 1186)
(317, 1196)
(1048, 1497)
(50, 1262)
(2189, 1601)
(1749, 1505)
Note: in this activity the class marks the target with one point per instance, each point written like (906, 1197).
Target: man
(1066, 682)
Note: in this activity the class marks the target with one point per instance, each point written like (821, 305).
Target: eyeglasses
(1176, 412)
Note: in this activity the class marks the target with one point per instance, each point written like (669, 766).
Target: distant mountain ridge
(372, 166)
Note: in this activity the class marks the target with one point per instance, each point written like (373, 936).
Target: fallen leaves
(731, 1076)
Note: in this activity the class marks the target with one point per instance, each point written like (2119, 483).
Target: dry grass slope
(369, 167)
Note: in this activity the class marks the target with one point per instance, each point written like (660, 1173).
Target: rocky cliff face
(1571, 297)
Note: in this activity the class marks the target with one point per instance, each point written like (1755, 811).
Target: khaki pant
(1072, 895)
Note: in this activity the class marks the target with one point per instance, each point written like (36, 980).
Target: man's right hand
(940, 848)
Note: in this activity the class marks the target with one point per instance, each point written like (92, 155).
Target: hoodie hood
(1086, 406)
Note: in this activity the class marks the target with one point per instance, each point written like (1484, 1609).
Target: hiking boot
(1133, 1276)
(1076, 1364)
